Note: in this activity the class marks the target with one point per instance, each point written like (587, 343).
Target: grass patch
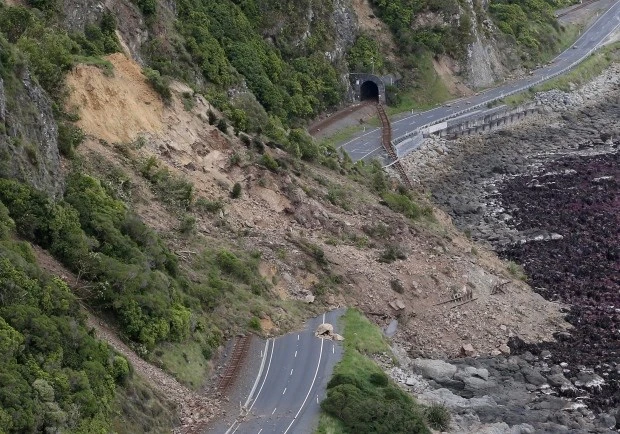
(103, 64)
(361, 335)
(428, 91)
(516, 270)
(186, 361)
(360, 395)
(342, 135)
(330, 425)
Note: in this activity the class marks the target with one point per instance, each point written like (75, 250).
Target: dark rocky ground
(546, 195)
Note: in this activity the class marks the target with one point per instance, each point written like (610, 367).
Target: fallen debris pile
(326, 331)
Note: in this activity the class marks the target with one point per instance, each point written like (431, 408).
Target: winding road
(291, 382)
(367, 145)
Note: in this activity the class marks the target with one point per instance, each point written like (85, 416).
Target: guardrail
(417, 130)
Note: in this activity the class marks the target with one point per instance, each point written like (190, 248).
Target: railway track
(239, 351)
(386, 141)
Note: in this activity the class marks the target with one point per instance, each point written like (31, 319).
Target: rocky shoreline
(543, 193)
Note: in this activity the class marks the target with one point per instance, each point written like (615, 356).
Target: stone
(309, 298)
(397, 304)
(437, 370)
(468, 350)
(558, 380)
(504, 349)
(532, 376)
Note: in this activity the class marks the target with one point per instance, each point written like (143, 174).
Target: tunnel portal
(369, 91)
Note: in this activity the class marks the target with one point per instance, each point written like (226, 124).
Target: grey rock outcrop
(29, 140)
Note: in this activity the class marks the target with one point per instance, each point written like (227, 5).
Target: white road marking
(273, 344)
(366, 155)
(235, 429)
(311, 385)
(295, 353)
(261, 430)
(260, 371)
(284, 391)
(333, 349)
(317, 399)
(291, 372)
(274, 410)
(297, 337)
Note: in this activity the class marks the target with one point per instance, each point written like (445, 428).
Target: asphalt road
(367, 145)
(295, 370)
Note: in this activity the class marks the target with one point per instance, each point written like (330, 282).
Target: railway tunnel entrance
(369, 91)
(366, 87)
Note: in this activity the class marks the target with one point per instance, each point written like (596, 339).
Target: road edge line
(260, 372)
(311, 385)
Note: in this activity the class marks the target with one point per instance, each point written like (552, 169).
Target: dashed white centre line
(291, 372)
(261, 430)
(274, 410)
(297, 337)
(284, 391)
(333, 349)
(295, 353)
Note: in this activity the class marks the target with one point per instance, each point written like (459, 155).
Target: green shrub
(391, 253)
(235, 193)
(212, 207)
(379, 379)
(188, 224)
(69, 138)
(254, 324)
(211, 117)
(403, 204)
(222, 125)
(438, 417)
(160, 84)
(268, 161)
(172, 189)
(148, 7)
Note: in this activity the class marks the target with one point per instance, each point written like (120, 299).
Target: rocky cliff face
(28, 134)
(484, 59)
(132, 30)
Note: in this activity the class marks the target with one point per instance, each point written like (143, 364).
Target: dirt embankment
(276, 210)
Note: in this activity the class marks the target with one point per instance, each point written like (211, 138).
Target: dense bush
(361, 395)
(399, 15)
(159, 83)
(403, 204)
(54, 376)
(224, 42)
(438, 417)
(532, 23)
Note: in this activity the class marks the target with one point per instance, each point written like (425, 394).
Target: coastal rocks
(545, 195)
(502, 394)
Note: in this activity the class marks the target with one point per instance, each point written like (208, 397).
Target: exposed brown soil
(118, 108)
(279, 210)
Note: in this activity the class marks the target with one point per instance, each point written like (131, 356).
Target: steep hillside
(292, 57)
(177, 187)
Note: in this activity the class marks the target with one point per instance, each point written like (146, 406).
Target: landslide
(324, 239)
